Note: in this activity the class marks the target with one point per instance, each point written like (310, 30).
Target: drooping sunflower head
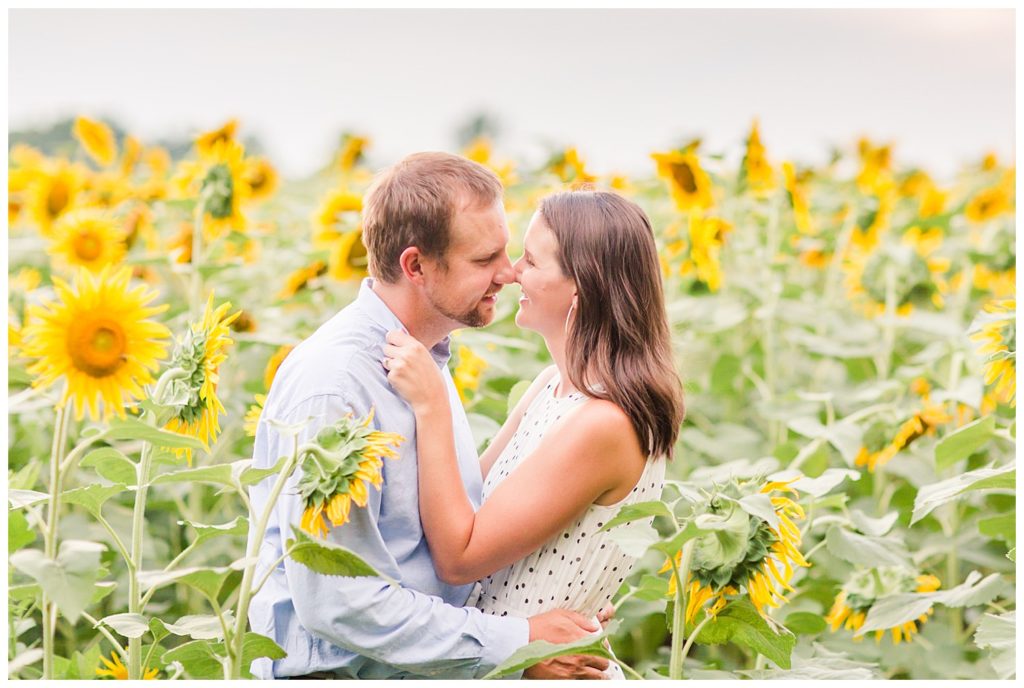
(864, 588)
(225, 133)
(301, 278)
(98, 336)
(796, 192)
(338, 467)
(349, 259)
(988, 204)
(338, 213)
(88, 238)
(199, 353)
(707, 236)
(217, 179)
(742, 550)
(756, 172)
(97, 140)
(54, 190)
(688, 183)
(261, 178)
(996, 330)
(352, 150)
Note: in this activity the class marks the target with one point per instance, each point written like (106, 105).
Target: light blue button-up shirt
(362, 627)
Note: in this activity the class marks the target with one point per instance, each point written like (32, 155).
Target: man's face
(465, 288)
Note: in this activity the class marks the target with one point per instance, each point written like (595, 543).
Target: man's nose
(506, 273)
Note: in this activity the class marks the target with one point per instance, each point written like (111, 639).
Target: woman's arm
(589, 452)
(593, 450)
(511, 424)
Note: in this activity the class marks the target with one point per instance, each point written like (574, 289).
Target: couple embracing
(497, 550)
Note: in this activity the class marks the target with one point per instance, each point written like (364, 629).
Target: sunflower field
(842, 500)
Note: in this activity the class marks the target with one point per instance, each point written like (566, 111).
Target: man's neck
(417, 316)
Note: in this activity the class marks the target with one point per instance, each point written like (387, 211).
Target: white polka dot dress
(579, 569)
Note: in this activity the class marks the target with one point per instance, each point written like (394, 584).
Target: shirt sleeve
(392, 625)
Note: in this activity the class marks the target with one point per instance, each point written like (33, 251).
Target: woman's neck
(556, 347)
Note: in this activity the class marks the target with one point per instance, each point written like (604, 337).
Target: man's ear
(411, 261)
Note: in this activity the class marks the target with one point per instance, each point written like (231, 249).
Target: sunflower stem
(49, 608)
(246, 591)
(889, 327)
(693, 636)
(682, 573)
(138, 526)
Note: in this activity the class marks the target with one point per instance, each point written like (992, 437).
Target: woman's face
(547, 293)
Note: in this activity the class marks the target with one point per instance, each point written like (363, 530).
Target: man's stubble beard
(470, 318)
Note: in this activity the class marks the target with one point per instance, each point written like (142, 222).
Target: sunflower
(88, 238)
(338, 468)
(54, 190)
(270, 372)
(998, 334)
(300, 279)
(353, 148)
(876, 166)
(865, 588)
(207, 141)
(218, 179)
(180, 245)
(468, 372)
(349, 260)
(106, 188)
(252, 416)
(756, 172)
(115, 669)
(883, 441)
(1001, 283)
(479, 150)
(261, 178)
(245, 322)
(744, 552)
(130, 156)
(200, 353)
(988, 204)
(97, 139)
(570, 167)
(25, 280)
(707, 236)
(873, 221)
(99, 338)
(338, 212)
(797, 195)
(687, 181)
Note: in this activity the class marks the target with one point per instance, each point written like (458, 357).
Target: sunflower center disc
(88, 246)
(97, 347)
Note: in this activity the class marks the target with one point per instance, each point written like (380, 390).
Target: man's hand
(563, 626)
(606, 615)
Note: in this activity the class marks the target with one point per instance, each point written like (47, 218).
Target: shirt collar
(379, 312)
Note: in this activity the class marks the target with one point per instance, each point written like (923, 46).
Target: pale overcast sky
(618, 84)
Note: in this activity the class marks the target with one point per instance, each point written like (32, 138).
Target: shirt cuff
(505, 635)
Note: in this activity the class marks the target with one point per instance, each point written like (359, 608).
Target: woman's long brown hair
(618, 345)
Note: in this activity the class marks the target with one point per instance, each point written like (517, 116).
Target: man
(435, 232)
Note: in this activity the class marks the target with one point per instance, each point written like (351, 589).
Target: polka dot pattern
(580, 568)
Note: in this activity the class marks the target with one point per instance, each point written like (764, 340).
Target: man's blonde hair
(413, 203)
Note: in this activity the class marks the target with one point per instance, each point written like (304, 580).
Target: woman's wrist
(433, 410)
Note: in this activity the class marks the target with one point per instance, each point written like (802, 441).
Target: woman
(591, 434)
